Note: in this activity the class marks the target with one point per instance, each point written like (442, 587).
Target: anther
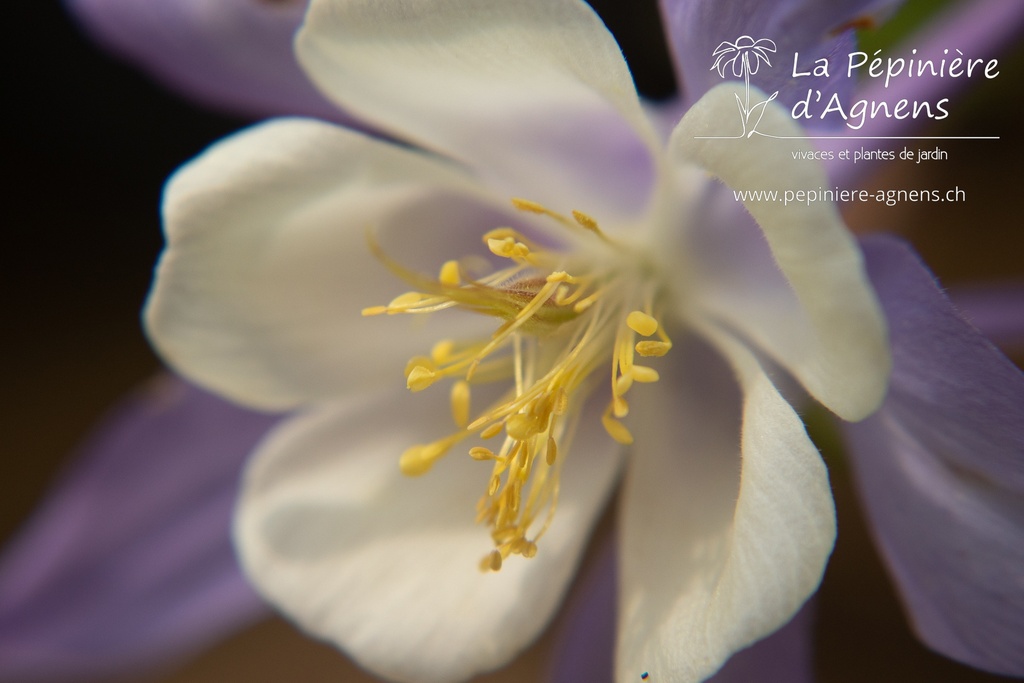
(418, 460)
(616, 429)
(641, 373)
(491, 562)
(652, 348)
(641, 323)
(491, 431)
(527, 205)
(450, 274)
(460, 403)
(481, 453)
(420, 378)
(586, 221)
(521, 427)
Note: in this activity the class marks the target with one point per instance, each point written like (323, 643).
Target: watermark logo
(743, 58)
(883, 78)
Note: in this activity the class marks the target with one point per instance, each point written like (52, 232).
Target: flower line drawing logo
(743, 58)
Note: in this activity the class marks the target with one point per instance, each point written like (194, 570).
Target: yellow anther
(420, 378)
(587, 302)
(374, 310)
(442, 351)
(561, 276)
(527, 205)
(450, 274)
(521, 427)
(405, 301)
(508, 247)
(527, 549)
(641, 323)
(460, 403)
(491, 431)
(491, 562)
(501, 234)
(585, 220)
(616, 429)
(419, 459)
(644, 374)
(492, 487)
(652, 348)
(419, 361)
(481, 453)
(552, 452)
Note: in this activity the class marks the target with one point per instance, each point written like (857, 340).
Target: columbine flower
(576, 294)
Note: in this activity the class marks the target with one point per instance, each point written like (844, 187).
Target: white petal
(386, 566)
(534, 95)
(832, 335)
(719, 549)
(258, 295)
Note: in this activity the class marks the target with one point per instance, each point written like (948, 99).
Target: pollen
(560, 316)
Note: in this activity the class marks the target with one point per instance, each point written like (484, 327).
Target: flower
(512, 117)
(43, 544)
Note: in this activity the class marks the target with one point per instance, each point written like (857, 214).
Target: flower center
(564, 316)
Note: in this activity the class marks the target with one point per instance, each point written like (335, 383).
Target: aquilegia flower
(580, 312)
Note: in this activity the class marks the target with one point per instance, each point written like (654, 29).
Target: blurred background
(88, 145)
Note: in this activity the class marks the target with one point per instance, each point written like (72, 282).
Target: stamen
(562, 318)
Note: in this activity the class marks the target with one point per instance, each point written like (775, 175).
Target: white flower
(512, 116)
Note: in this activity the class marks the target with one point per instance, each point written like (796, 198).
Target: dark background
(88, 144)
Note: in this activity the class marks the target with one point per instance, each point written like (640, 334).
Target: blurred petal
(259, 292)
(812, 28)
(235, 55)
(533, 95)
(585, 638)
(786, 655)
(585, 641)
(387, 566)
(825, 326)
(718, 551)
(941, 469)
(997, 310)
(978, 27)
(128, 561)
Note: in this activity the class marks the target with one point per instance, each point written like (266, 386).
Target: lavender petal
(235, 55)
(941, 470)
(128, 562)
(814, 29)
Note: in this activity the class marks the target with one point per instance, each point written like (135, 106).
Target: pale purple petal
(235, 55)
(585, 638)
(980, 27)
(997, 310)
(128, 562)
(941, 469)
(786, 655)
(812, 28)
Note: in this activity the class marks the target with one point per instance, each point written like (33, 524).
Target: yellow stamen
(561, 319)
